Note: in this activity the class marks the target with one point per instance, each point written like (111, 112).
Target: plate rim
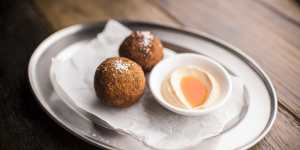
(77, 27)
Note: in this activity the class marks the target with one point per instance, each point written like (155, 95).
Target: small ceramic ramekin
(166, 66)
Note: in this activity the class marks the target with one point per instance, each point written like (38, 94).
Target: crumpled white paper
(72, 76)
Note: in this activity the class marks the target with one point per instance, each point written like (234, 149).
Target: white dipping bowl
(166, 66)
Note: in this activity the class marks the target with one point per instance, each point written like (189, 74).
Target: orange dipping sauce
(194, 90)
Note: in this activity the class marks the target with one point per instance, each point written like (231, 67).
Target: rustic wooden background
(267, 30)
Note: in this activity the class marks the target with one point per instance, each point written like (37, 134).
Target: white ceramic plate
(258, 117)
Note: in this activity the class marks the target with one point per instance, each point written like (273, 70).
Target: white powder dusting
(121, 66)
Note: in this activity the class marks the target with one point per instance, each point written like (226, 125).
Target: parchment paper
(72, 76)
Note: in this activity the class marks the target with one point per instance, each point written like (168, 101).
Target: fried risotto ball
(119, 82)
(142, 47)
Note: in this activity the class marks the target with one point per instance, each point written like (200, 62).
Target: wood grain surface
(23, 124)
(267, 30)
(62, 13)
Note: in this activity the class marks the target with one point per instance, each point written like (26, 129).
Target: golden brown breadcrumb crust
(119, 82)
(142, 47)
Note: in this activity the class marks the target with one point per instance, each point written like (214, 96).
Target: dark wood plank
(283, 136)
(262, 30)
(24, 125)
(67, 12)
(289, 9)
(269, 39)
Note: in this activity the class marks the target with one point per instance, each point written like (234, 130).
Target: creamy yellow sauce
(172, 92)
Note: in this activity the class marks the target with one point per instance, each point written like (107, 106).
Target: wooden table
(267, 30)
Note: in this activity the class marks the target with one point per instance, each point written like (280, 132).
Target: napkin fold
(72, 77)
